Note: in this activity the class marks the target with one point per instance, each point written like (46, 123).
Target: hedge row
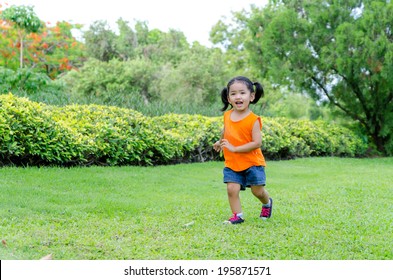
(37, 134)
(286, 138)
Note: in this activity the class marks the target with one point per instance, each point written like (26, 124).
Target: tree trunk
(379, 143)
(21, 49)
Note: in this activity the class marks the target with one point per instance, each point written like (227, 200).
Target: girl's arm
(250, 146)
(217, 145)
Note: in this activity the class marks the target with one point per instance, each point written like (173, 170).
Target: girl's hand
(225, 144)
(217, 146)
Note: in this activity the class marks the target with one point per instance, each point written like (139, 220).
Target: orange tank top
(239, 133)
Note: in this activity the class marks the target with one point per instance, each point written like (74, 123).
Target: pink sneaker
(234, 220)
(266, 212)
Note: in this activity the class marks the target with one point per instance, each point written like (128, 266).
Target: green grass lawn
(324, 208)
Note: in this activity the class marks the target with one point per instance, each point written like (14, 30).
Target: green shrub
(29, 135)
(196, 134)
(287, 138)
(23, 79)
(279, 143)
(34, 133)
(36, 86)
(114, 135)
(100, 80)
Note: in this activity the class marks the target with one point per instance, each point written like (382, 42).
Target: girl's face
(239, 96)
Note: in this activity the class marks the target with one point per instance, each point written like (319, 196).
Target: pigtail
(224, 99)
(259, 92)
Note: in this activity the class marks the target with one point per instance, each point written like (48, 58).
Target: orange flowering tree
(55, 50)
(24, 20)
(49, 49)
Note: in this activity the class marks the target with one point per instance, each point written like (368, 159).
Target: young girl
(241, 141)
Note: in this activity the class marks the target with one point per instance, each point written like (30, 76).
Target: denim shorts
(253, 176)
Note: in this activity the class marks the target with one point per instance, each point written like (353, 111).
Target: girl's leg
(233, 190)
(267, 203)
(261, 193)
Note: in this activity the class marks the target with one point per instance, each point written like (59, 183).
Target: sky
(194, 18)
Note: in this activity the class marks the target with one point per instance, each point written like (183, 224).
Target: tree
(197, 79)
(55, 50)
(25, 21)
(126, 42)
(228, 37)
(52, 50)
(100, 79)
(100, 41)
(337, 51)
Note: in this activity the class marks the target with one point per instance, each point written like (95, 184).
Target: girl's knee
(233, 189)
(258, 191)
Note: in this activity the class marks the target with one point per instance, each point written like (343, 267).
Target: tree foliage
(100, 41)
(197, 78)
(56, 51)
(105, 79)
(104, 44)
(337, 51)
(153, 64)
(50, 49)
(24, 20)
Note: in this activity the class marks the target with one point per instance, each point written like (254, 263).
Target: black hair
(247, 82)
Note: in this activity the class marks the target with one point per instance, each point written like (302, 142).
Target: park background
(144, 102)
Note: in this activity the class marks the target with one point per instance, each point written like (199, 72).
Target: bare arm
(217, 145)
